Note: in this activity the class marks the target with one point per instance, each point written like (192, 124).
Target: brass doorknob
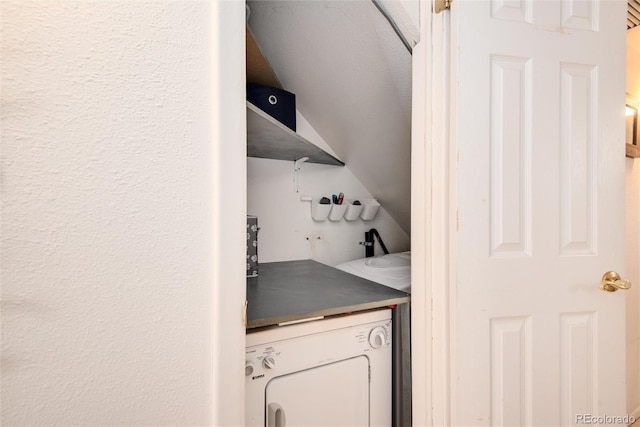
(611, 282)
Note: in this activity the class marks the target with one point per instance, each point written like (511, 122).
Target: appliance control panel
(378, 337)
(268, 360)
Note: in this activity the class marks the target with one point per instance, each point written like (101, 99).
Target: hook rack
(296, 168)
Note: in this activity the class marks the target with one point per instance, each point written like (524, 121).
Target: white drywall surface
(351, 75)
(106, 213)
(287, 230)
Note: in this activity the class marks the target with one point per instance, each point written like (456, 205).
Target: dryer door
(336, 394)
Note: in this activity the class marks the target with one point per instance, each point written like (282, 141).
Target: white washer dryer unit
(332, 372)
(394, 271)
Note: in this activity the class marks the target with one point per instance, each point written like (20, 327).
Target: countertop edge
(276, 320)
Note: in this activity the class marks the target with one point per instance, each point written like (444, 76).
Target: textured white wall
(288, 232)
(106, 213)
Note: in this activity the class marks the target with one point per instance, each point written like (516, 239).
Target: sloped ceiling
(351, 75)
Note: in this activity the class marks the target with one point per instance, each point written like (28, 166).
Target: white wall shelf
(267, 138)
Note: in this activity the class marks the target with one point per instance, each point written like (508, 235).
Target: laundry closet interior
(329, 202)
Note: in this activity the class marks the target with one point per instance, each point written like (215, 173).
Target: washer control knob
(248, 369)
(269, 362)
(377, 337)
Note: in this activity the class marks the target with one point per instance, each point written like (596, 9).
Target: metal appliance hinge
(441, 5)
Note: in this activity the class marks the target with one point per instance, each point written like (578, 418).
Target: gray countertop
(296, 290)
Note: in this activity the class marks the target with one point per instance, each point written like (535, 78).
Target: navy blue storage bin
(278, 103)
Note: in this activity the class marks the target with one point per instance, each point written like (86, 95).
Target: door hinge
(441, 5)
(244, 313)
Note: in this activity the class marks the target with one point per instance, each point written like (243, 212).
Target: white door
(537, 137)
(331, 395)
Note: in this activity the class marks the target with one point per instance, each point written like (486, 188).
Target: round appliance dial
(378, 337)
(248, 369)
(269, 362)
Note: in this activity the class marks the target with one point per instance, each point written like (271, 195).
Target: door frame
(433, 219)
(632, 316)
(228, 205)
